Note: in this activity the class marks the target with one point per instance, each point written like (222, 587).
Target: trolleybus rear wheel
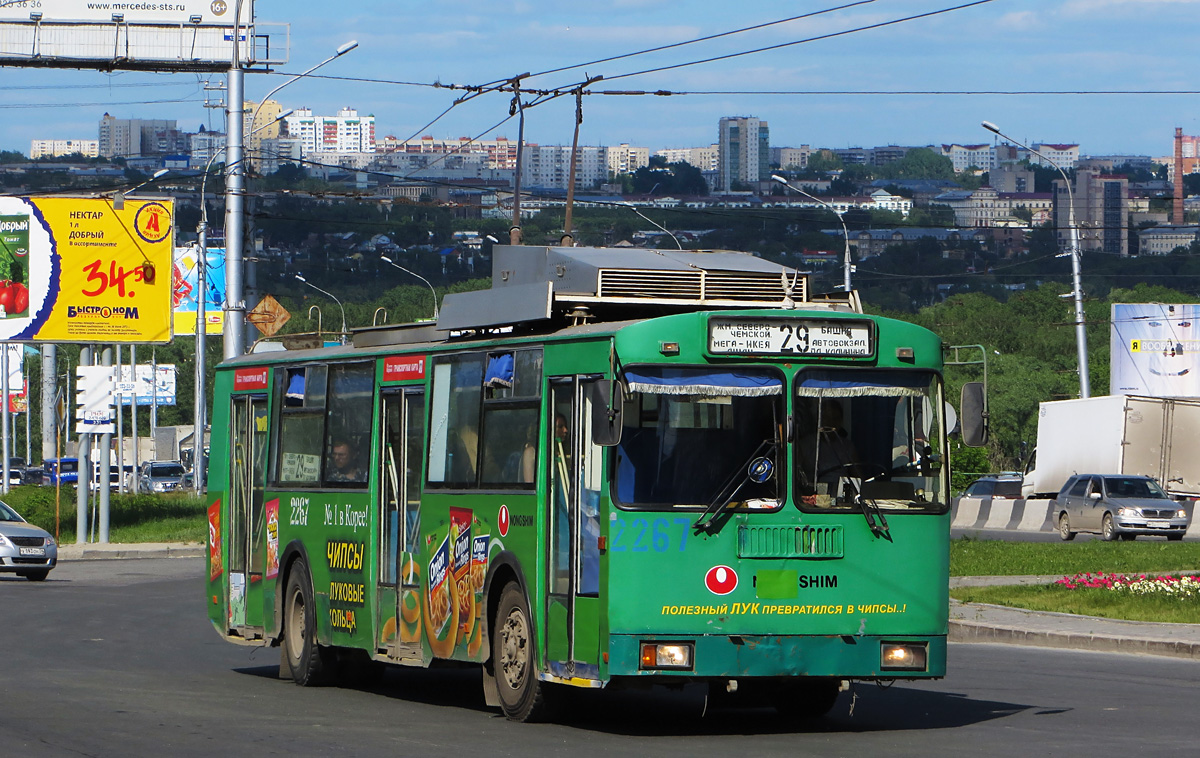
(522, 696)
(807, 699)
(309, 663)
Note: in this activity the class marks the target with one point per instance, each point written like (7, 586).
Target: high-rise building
(137, 137)
(549, 166)
(744, 152)
(258, 127)
(205, 147)
(41, 148)
(347, 132)
(1101, 208)
(791, 158)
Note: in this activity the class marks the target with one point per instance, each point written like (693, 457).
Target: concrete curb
(969, 631)
(96, 551)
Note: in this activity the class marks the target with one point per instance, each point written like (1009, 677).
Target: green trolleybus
(614, 467)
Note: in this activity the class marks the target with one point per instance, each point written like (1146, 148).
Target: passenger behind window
(344, 464)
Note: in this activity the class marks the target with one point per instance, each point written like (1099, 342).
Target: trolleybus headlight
(902, 656)
(670, 655)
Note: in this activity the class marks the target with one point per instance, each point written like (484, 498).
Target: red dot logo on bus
(721, 580)
(502, 521)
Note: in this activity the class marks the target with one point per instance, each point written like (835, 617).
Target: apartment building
(204, 147)
(53, 148)
(791, 158)
(136, 137)
(347, 132)
(501, 152)
(1162, 240)
(965, 156)
(625, 159)
(987, 207)
(744, 151)
(549, 166)
(703, 158)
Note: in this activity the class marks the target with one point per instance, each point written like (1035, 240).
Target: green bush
(36, 505)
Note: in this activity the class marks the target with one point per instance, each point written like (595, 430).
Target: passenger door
(575, 473)
(247, 518)
(402, 432)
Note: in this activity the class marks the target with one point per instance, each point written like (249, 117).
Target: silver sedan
(25, 549)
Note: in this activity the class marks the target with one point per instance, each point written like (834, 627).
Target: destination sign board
(818, 338)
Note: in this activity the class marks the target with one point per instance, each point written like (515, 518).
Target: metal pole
(235, 190)
(4, 415)
(133, 405)
(49, 391)
(201, 410)
(104, 485)
(1081, 351)
(120, 426)
(847, 264)
(154, 401)
(84, 467)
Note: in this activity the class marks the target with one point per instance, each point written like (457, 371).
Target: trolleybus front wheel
(522, 695)
(310, 664)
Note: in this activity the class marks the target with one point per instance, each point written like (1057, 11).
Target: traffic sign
(268, 316)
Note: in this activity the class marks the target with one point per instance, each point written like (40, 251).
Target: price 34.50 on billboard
(79, 270)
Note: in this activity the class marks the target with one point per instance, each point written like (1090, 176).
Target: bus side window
(301, 425)
(348, 422)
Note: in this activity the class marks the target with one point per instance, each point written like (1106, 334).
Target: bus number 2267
(642, 534)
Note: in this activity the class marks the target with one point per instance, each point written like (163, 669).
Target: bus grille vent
(699, 286)
(789, 541)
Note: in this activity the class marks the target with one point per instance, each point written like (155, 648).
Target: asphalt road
(116, 658)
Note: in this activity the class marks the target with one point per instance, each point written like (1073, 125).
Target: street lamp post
(386, 259)
(331, 297)
(648, 220)
(847, 264)
(342, 50)
(235, 190)
(1085, 389)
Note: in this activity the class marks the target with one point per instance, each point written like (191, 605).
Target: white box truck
(1116, 434)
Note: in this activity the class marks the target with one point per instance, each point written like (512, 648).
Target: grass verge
(974, 557)
(132, 518)
(1086, 602)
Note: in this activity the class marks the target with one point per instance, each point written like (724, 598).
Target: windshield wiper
(758, 468)
(870, 511)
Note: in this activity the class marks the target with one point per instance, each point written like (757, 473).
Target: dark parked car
(1118, 506)
(25, 549)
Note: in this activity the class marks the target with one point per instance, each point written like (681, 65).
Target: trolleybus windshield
(869, 435)
(690, 433)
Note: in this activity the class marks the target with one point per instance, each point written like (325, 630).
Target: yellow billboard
(79, 270)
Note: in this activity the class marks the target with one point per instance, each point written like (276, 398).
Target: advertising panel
(161, 391)
(185, 293)
(138, 12)
(1155, 350)
(17, 391)
(78, 270)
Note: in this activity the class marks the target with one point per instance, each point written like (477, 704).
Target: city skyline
(999, 46)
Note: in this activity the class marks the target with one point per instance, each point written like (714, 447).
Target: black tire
(522, 695)
(1174, 537)
(310, 664)
(39, 575)
(1108, 528)
(807, 699)
(1064, 528)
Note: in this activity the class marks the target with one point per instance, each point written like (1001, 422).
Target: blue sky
(1004, 45)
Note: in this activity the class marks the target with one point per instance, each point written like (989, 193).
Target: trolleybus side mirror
(608, 398)
(974, 415)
